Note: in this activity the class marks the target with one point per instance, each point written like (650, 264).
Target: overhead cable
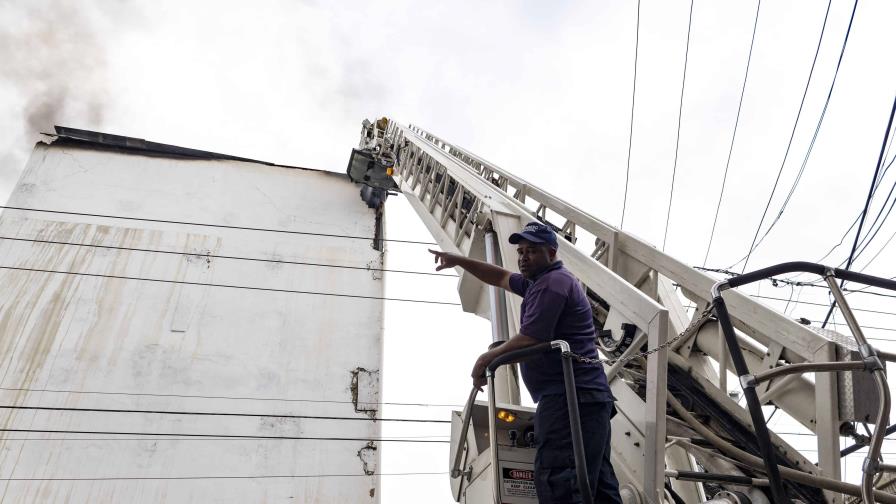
(631, 125)
(884, 246)
(792, 135)
(872, 232)
(802, 169)
(265, 476)
(778, 282)
(886, 155)
(229, 286)
(822, 304)
(812, 434)
(858, 216)
(872, 293)
(775, 281)
(213, 413)
(2, 439)
(250, 436)
(863, 327)
(855, 244)
(684, 74)
(853, 225)
(883, 172)
(843, 237)
(220, 226)
(879, 219)
(217, 256)
(865, 288)
(231, 398)
(733, 133)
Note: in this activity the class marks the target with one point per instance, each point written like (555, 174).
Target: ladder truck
(679, 436)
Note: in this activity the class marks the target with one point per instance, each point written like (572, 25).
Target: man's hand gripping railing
(509, 357)
(572, 404)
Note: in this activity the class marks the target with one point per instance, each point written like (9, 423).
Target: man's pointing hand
(444, 259)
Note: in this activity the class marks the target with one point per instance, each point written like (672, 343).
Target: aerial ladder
(679, 435)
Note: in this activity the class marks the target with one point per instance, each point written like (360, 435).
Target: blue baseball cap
(536, 232)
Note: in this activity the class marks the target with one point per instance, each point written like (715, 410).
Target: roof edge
(75, 136)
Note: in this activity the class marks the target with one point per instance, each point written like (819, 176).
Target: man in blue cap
(554, 307)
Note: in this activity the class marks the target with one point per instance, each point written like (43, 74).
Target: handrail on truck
(572, 403)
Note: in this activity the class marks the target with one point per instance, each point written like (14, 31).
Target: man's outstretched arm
(488, 273)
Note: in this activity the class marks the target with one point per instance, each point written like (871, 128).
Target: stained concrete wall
(77, 341)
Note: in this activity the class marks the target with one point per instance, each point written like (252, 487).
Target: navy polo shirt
(555, 307)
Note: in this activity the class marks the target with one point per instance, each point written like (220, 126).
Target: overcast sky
(544, 89)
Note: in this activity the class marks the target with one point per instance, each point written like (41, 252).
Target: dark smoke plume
(54, 72)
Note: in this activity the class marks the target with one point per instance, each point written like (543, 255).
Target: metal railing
(871, 362)
(572, 402)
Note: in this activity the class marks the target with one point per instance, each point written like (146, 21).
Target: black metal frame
(749, 382)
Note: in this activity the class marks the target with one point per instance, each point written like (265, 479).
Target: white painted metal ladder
(461, 198)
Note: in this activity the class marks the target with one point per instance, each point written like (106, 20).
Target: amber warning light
(506, 416)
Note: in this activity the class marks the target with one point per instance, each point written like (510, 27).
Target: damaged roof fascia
(66, 136)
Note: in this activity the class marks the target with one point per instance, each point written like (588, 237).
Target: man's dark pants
(555, 473)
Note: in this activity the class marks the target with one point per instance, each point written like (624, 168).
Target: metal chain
(690, 329)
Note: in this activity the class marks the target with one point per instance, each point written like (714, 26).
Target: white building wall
(94, 342)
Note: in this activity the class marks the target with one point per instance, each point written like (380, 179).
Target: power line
(845, 233)
(796, 301)
(856, 221)
(777, 282)
(816, 451)
(855, 244)
(180, 439)
(870, 235)
(266, 476)
(631, 125)
(734, 132)
(216, 256)
(224, 414)
(232, 398)
(883, 172)
(684, 74)
(774, 280)
(220, 226)
(812, 434)
(863, 327)
(872, 293)
(229, 286)
(821, 304)
(824, 110)
(879, 251)
(887, 153)
(867, 286)
(225, 436)
(792, 135)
